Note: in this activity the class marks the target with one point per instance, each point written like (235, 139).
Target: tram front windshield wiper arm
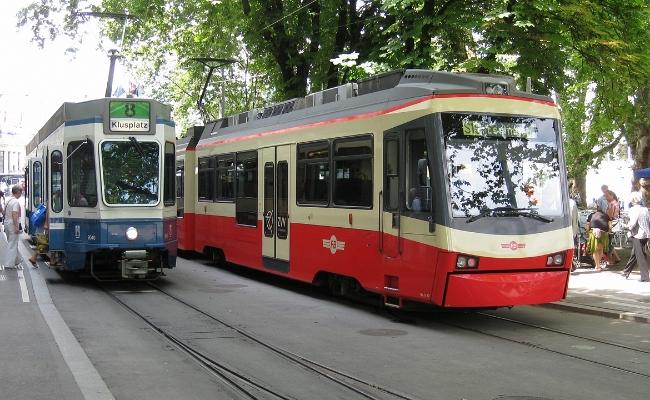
(534, 214)
(136, 144)
(483, 213)
(492, 211)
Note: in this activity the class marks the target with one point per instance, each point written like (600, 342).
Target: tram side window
(82, 188)
(353, 172)
(37, 183)
(207, 178)
(391, 163)
(313, 174)
(180, 188)
(56, 182)
(168, 175)
(226, 177)
(246, 203)
(419, 197)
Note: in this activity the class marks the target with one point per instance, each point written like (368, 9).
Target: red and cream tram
(419, 186)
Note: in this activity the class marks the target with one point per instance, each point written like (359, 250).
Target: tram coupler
(134, 263)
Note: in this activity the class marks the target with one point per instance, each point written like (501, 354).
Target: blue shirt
(602, 203)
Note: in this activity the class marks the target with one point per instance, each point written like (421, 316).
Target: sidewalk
(607, 293)
(42, 358)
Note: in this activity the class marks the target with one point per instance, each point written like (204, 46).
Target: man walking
(12, 227)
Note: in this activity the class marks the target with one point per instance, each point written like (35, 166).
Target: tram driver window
(82, 185)
(418, 197)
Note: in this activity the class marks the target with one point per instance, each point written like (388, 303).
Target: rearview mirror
(422, 172)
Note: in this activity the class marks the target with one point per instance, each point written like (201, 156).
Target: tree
(573, 49)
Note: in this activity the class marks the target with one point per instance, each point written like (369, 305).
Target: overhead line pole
(113, 53)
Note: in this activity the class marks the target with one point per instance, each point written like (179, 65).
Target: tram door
(34, 196)
(275, 207)
(55, 201)
(390, 220)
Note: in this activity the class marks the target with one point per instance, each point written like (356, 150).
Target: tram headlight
(495, 88)
(555, 260)
(131, 233)
(466, 262)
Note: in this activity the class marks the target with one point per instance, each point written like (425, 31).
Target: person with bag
(598, 227)
(13, 228)
(39, 226)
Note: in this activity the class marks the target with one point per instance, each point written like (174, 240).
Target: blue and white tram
(106, 171)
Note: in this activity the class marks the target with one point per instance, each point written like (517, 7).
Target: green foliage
(591, 54)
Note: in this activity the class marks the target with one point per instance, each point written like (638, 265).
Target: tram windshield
(503, 164)
(131, 172)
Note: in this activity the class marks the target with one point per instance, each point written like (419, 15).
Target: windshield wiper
(489, 211)
(136, 144)
(509, 211)
(534, 214)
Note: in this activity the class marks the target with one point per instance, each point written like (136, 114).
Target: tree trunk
(580, 183)
(640, 143)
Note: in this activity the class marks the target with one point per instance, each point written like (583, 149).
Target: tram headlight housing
(131, 233)
(555, 260)
(496, 88)
(466, 262)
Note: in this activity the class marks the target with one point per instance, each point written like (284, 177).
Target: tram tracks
(605, 353)
(249, 366)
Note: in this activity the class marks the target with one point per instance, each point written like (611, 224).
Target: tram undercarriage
(141, 264)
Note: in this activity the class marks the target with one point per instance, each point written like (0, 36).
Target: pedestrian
(635, 190)
(601, 203)
(574, 193)
(13, 228)
(639, 230)
(598, 227)
(41, 228)
(613, 210)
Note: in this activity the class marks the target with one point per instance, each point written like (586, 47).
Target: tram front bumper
(505, 289)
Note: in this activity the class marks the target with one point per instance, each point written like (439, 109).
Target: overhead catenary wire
(288, 15)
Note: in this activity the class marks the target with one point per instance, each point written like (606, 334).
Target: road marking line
(23, 286)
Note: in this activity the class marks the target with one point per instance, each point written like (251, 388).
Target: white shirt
(13, 205)
(639, 224)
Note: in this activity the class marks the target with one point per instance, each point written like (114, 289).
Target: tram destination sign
(500, 129)
(129, 116)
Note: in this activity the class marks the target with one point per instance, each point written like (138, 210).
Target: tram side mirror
(422, 172)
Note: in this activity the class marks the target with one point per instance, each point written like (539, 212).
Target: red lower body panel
(185, 232)
(505, 289)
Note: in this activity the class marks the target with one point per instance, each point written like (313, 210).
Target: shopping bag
(37, 219)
